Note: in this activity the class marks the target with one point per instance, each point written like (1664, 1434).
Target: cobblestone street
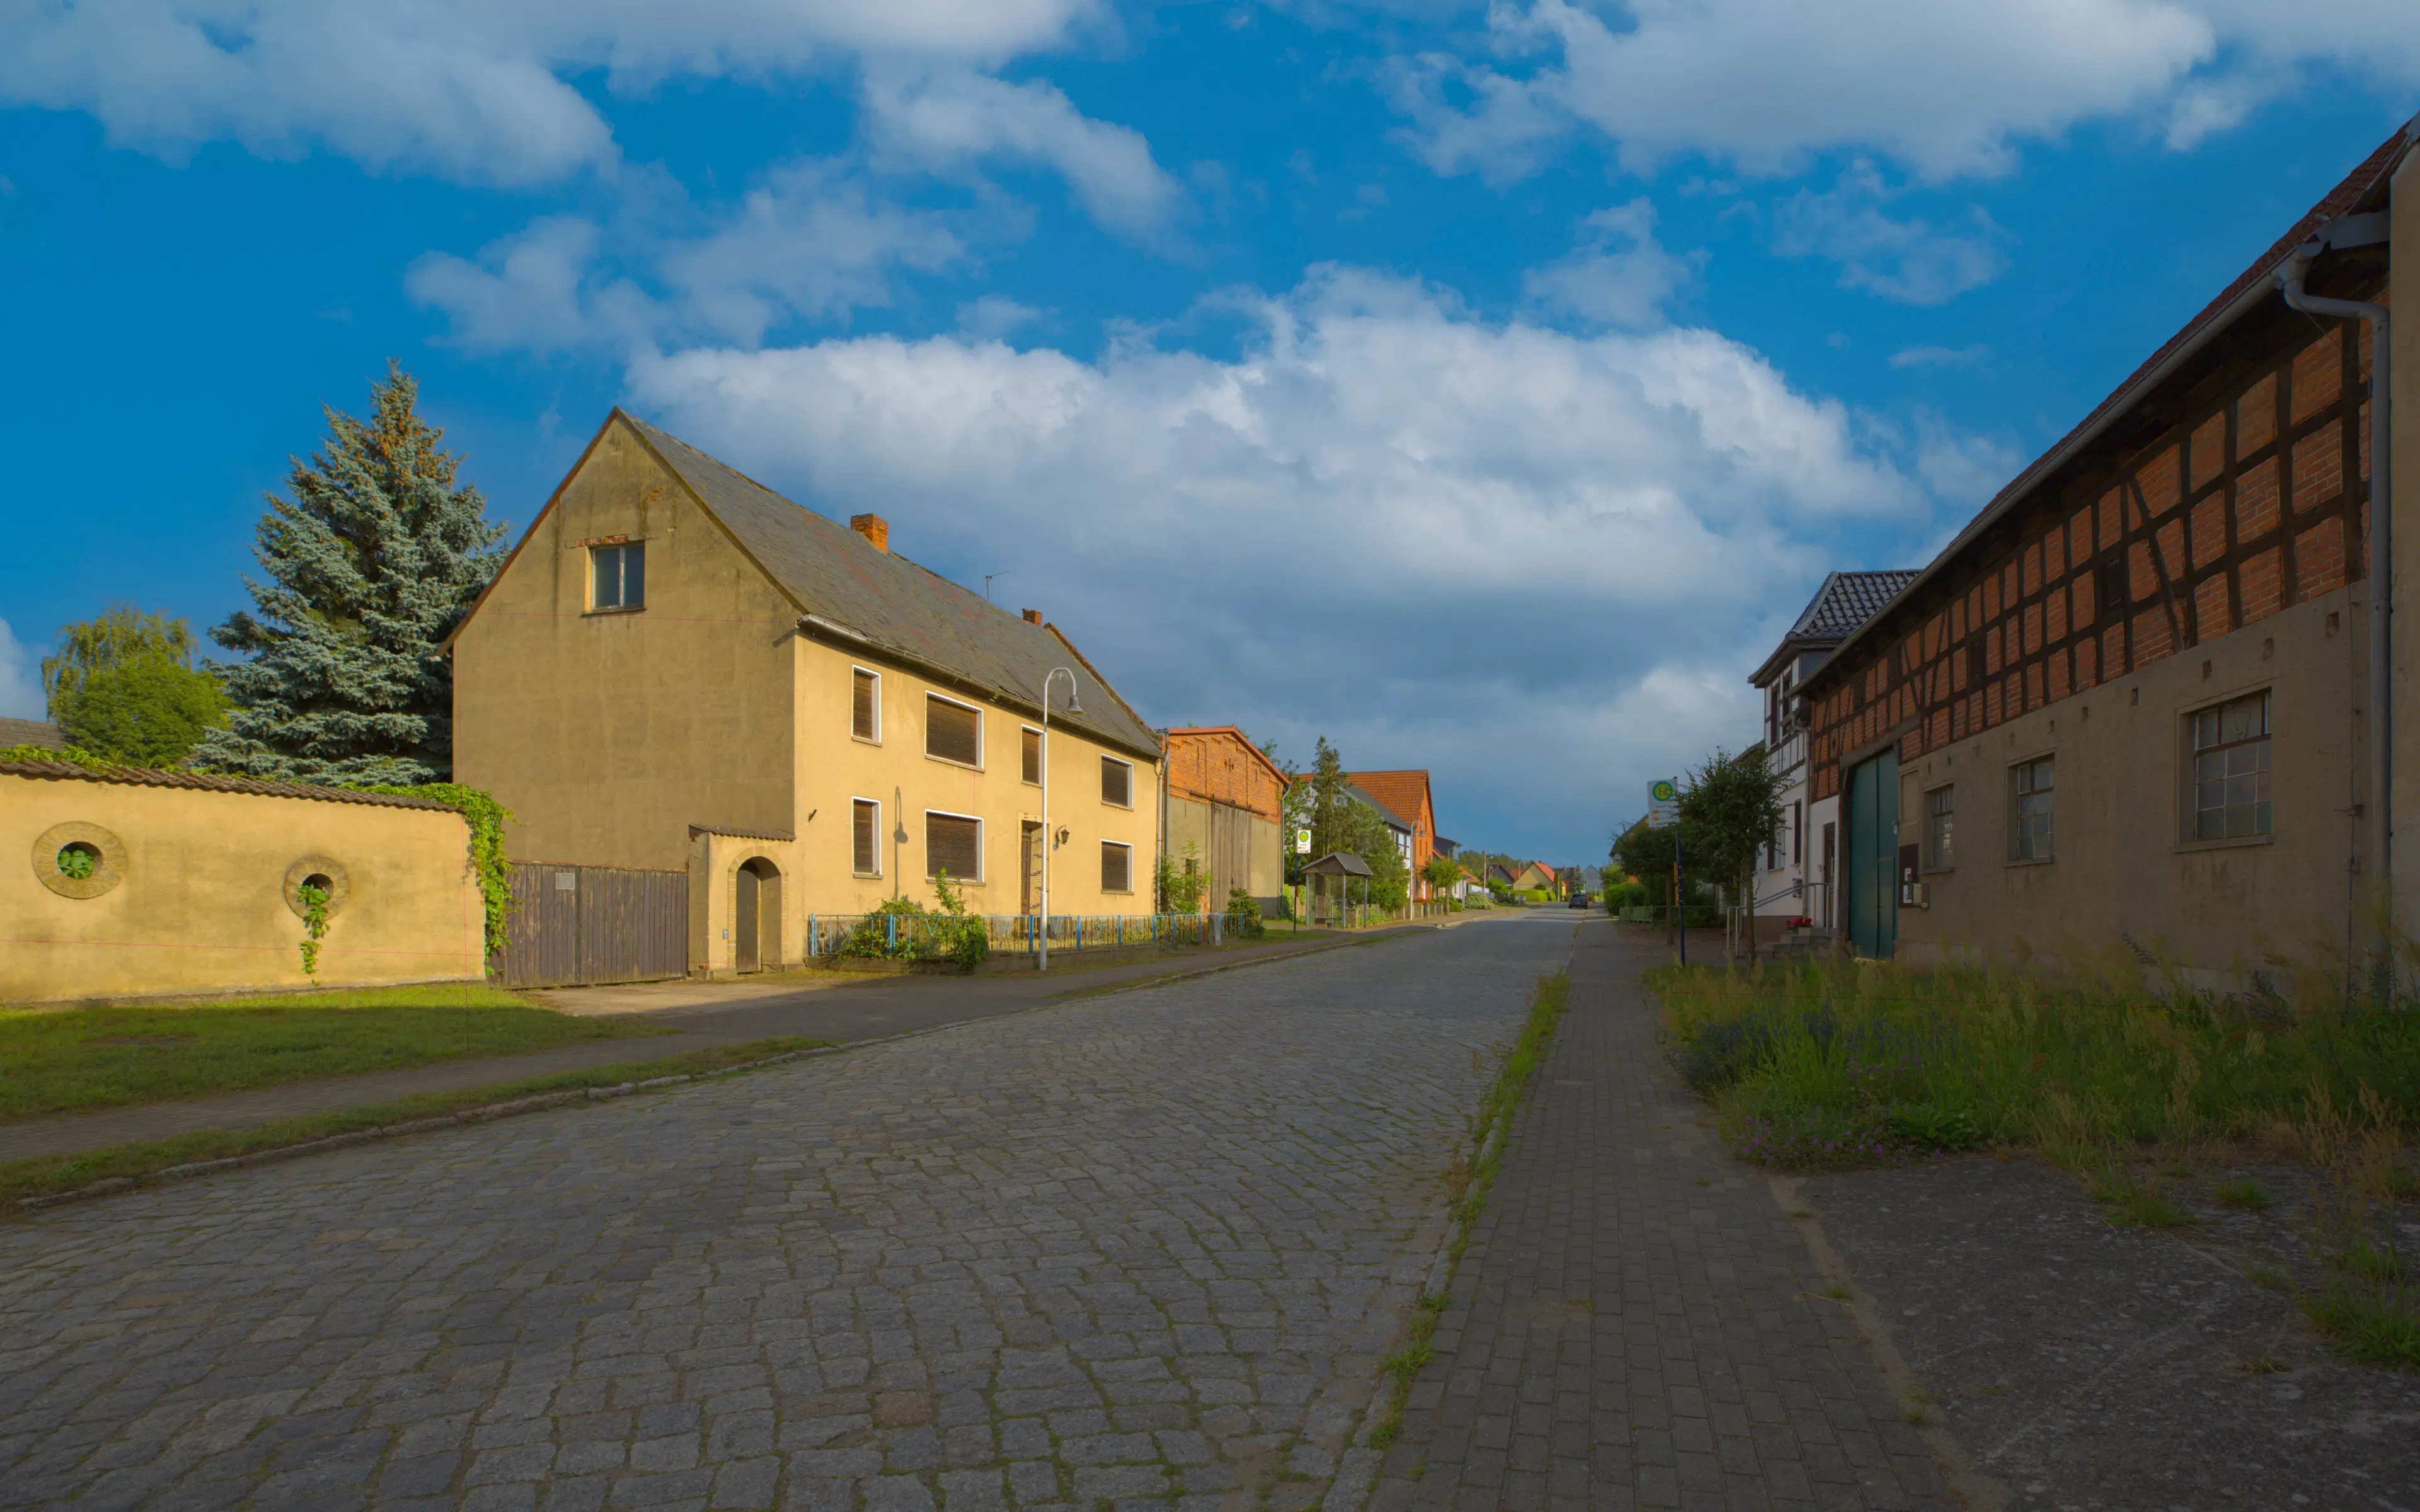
(1143, 1249)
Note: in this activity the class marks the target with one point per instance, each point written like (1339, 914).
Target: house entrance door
(743, 921)
(1871, 880)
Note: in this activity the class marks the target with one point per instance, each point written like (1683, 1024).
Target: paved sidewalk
(708, 1014)
(1634, 1323)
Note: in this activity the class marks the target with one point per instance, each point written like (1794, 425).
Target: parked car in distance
(1580, 899)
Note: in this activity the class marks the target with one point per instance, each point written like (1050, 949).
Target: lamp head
(1072, 705)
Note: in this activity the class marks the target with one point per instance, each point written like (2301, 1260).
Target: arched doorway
(756, 916)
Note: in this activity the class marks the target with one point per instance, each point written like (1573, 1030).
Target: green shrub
(1243, 910)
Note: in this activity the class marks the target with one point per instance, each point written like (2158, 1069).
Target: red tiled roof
(1399, 791)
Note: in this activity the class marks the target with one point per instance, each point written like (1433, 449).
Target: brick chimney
(1034, 616)
(873, 528)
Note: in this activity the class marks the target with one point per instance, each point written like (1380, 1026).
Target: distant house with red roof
(1406, 795)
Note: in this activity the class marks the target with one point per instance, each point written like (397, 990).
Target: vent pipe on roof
(2378, 814)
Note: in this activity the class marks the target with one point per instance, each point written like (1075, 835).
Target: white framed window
(1117, 783)
(865, 837)
(2032, 788)
(1117, 867)
(617, 577)
(2227, 795)
(1940, 828)
(865, 704)
(953, 731)
(953, 843)
(1029, 742)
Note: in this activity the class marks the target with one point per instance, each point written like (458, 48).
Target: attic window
(620, 575)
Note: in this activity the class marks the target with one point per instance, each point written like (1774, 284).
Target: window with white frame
(953, 843)
(952, 731)
(618, 576)
(2229, 796)
(1117, 782)
(2031, 784)
(865, 837)
(865, 704)
(1029, 753)
(1117, 867)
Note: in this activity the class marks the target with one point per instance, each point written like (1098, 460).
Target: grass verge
(1470, 1180)
(1833, 1065)
(80, 1060)
(51, 1175)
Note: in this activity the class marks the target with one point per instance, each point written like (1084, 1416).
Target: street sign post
(1302, 842)
(1664, 813)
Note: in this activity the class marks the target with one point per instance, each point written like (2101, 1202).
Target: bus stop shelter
(1332, 887)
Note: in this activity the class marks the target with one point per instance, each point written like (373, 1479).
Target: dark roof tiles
(1847, 600)
(842, 579)
(30, 733)
(208, 782)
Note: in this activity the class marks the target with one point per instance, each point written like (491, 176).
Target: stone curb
(482, 1114)
(540, 1102)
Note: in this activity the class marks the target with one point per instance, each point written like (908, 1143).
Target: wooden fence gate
(575, 926)
(1231, 854)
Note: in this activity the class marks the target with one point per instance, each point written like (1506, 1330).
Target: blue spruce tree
(370, 565)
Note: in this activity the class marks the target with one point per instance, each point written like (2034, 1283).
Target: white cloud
(1380, 522)
(1945, 87)
(464, 87)
(20, 686)
(945, 118)
(1620, 275)
(813, 241)
(1910, 261)
(1973, 356)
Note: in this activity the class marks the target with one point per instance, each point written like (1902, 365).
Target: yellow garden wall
(199, 901)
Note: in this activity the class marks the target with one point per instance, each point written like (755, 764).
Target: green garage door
(1870, 884)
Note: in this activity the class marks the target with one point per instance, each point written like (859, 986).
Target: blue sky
(1480, 386)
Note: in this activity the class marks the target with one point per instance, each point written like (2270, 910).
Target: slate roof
(892, 605)
(1847, 600)
(31, 732)
(204, 783)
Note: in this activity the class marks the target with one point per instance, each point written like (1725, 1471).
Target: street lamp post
(1049, 841)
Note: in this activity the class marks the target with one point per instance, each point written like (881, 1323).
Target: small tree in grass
(1731, 809)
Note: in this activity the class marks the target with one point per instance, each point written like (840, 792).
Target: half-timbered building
(2126, 708)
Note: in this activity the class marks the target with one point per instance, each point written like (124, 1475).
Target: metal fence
(911, 935)
(576, 925)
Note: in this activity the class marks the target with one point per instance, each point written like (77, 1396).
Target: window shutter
(953, 845)
(1117, 870)
(861, 713)
(1117, 782)
(1032, 755)
(868, 853)
(951, 732)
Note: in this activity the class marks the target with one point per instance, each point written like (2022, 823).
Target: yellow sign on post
(1662, 803)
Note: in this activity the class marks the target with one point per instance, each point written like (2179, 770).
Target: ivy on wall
(487, 818)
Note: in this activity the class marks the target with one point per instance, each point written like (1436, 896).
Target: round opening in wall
(320, 881)
(79, 860)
